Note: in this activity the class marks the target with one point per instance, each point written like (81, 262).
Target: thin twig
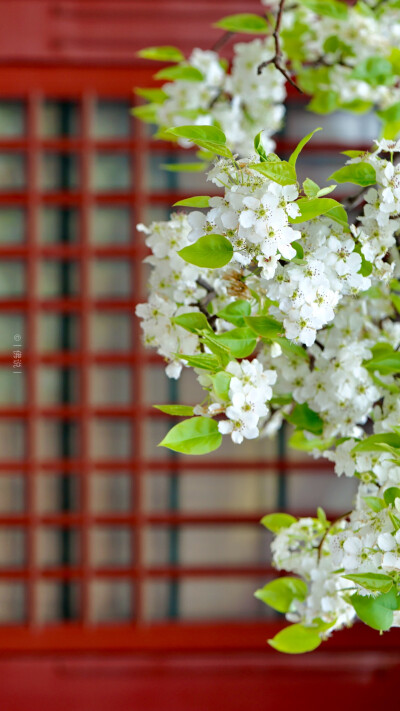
(277, 59)
(322, 541)
(222, 40)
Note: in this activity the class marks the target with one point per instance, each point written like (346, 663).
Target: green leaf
(235, 312)
(219, 349)
(376, 612)
(292, 349)
(280, 593)
(321, 515)
(326, 191)
(395, 299)
(391, 114)
(377, 442)
(313, 207)
(359, 173)
(376, 582)
(304, 418)
(184, 167)
(245, 23)
(276, 521)
(376, 71)
(353, 154)
(310, 188)
(221, 382)
(194, 322)
(296, 639)
(198, 435)
(182, 72)
(357, 106)
(211, 251)
(374, 503)
(204, 361)
(293, 158)
(299, 250)
(197, 201)
(259, 147)
(162, 54)
(299, 441)
(147, 113)
(155, 96)
(240, 341)
(385, 360)
(327, 8)
(324, 102)
(280, 171)
(176, 410)
(209, 137)
(337, 215)
(264, 326)
(201, 133)
(391, 494)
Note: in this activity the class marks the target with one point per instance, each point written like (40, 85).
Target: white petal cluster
(249, 391)
(239, 100)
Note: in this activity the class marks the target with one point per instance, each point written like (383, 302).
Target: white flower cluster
(239, 101)
(249, 391)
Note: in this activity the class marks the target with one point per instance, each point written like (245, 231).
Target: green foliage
(293, 158)
(185, 72)
(378, 442)
(259, 147)
(280, 593)
(314, 207)
(264, 326)
(209, 137)
(296, 639)
(304, 418)
(276, 521)
(312, 190)
(155, 96)
(385, 360)
(375, 582)
(244, 23)
(162, 54)
(375, 71)
(376, 612)
(327, 8)
(375, 503)
(148, 113)
(176, 410)
(299, 441)
(194, 322)
(391, 494)
(359, 173)
(235, 312)
(198, 435)
(211, 251)
(197, 201)
(184, 167)
(241, 342)
(280, 171)
(221, 382)
(204, 361)
(292, 349)
(324, 102)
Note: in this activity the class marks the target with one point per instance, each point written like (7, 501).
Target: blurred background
(127, 572)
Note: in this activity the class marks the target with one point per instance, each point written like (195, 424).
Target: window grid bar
(85, 157)
(33, 199)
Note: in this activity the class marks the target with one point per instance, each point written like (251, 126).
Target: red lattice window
(106, 541)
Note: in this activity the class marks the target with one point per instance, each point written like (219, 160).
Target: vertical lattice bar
(86, 203)
(31, 346)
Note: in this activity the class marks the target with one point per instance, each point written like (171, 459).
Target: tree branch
(277, 59)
